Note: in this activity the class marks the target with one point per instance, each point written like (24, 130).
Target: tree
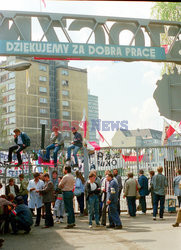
(171, 12)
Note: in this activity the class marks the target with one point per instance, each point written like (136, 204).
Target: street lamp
(17, 66)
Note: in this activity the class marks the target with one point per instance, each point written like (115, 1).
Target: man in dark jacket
(48, 197)
(22, 141)
(76, 145)
(21, 217)
(12, 188)
(112, 201)
(143, 182)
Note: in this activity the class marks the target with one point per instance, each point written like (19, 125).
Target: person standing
(76, 145)
(177, 188)
(112, 201)
(57, 141)
(93, 190)
(59, 204)
(178, 219)
(152, 173)
(12, 188)
(159, 184)
(130, 190)
(23, 191)
(104, 190)
(35, 200)
(79, 183)
(48, 197)
(143, 182)
(22, 141)
(120, 186)
(67, 186)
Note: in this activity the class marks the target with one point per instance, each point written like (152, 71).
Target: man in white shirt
(35, 198)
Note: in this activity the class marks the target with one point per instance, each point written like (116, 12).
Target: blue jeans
(131, 200)
(93, 208)
(69, 209)
(156, 199)
(142, 202)
(114, 219)
(55, 152)
(75, 148)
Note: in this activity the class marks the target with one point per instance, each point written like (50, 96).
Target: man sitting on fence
(22, 141)
(57, 141)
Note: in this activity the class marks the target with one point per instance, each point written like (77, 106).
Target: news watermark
(93, 125)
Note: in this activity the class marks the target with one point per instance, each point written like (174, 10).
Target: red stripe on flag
(170, 131)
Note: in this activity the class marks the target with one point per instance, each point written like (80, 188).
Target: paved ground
(140, 233)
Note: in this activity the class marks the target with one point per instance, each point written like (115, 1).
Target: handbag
(77, 191)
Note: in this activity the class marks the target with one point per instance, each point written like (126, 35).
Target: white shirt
(19, 140)
(12, 190)
(93, 186)
(35, 198)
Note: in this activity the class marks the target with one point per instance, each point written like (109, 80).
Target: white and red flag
(43, 1)
(83, 124)
(168, 130)
(99, 136)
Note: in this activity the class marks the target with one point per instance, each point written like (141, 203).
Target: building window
(42, 78)
(11, 108)
(11, 75)
(43, 111)
(43, 100)
(42, 67)
(65, 72)
(11, 86)
(11, 98)
(65, 103)
(43, 89)
(11, 120)
(66, 113)
(65, 83)
(65, 92)
(44, 122)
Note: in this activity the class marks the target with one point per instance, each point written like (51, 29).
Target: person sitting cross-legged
(57, 141)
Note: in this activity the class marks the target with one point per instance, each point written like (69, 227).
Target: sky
(125, 90)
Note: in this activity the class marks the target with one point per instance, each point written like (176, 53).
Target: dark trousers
(48, 215)
(80, 200)
(131, 200)
(25, 199)
(114, 219)
(156, 199)
(38, 215)
(118, 206)
(68, 202)
(179, 201)
(17, 225)
(142, 202)
(11, 149)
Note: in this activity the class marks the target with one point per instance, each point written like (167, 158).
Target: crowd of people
(51, 198)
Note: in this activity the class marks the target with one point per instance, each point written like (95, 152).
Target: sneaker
(142, 213)
(81, 215)
(98, 225)
(69, 226)
(61, 220)
(118, 227)
(154, 218)
(90, 226)
(161, 218)
(175, 225)
(56, 220)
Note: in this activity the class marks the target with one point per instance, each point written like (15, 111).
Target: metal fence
(124, 159)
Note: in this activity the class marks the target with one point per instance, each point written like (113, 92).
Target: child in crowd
(59, 204)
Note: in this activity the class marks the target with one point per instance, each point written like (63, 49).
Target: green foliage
(172, 12)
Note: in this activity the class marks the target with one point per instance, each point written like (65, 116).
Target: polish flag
(83, 124)
(99, 136)
(43, 1)
(168, 130)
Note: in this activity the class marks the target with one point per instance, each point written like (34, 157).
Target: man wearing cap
(21, 217)
(57, 141)
(76, 145)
